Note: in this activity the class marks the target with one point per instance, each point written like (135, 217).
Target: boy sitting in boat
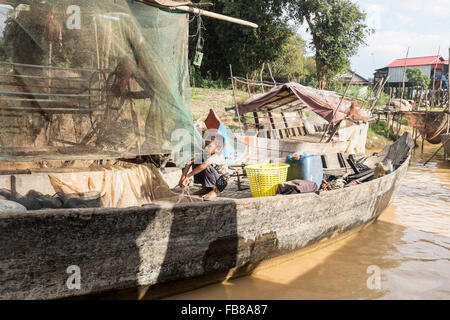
(209, 169)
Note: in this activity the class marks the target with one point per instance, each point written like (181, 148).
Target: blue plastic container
(309, 167)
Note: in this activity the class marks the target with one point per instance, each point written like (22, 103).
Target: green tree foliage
(246, 49)
(337, 28)
(293, 62)
(417, 78)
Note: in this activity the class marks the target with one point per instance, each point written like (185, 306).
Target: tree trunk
(320, 66)
(321, 74)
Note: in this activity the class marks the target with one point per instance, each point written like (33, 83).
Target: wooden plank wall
(279, 125)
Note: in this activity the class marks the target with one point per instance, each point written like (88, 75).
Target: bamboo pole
(97, 52)
(248, 86)
(50, 53)
(235, 99)
(378, 94)
(270, 72)
(261, 77)
(255, 82)
(404, 74)
(217, 16)
(36, 66)
(434, 79)
(204, 13)
(337, 109)
(432, 101)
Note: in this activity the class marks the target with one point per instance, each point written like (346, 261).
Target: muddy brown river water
(405, 255)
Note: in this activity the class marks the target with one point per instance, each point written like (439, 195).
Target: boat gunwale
(167, 206)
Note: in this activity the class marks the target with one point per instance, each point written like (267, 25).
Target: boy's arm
(185, 173)
(199, 169)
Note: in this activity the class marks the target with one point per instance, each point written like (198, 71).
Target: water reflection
(410, 245)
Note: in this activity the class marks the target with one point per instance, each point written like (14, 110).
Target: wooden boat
(446, 142)
(59, 253)
(149, 247)
(431, 124)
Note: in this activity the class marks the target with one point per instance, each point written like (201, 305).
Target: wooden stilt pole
(399, 124)
(388, 123)
(433, 92)
(423, 144)
(436, 152)
(448, 95)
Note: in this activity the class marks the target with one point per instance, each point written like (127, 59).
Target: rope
(185, 192)
(200, 27)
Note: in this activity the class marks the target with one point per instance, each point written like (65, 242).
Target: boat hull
(135, 247)
(430, 124)
(446, 143)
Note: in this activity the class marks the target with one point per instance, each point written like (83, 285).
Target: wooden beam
(203, 13)
(286, 124)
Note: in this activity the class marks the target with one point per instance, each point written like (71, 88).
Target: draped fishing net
(82, 79)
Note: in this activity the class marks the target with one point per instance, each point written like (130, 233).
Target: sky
(421, 25)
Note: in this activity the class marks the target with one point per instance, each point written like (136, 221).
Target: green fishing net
(85, 79)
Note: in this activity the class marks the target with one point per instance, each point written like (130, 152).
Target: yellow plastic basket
(265, 178)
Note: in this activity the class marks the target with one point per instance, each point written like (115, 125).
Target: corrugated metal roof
(362, 79)
(420, 61)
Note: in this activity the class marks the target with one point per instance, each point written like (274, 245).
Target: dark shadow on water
(341, 270)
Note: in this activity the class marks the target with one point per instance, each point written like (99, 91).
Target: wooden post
(261, 77)
(285, 124)
(270, 72)
(399, 127)
(423, 144)
(243, 119)
(50, 53)
(255, 116)
(434, 80)
(248, 86)
(404, 74)
(388, 118)
(235, 98)
(380, 91)
(420, 98)
(448, 96)
(97, 50)
(272, 123)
